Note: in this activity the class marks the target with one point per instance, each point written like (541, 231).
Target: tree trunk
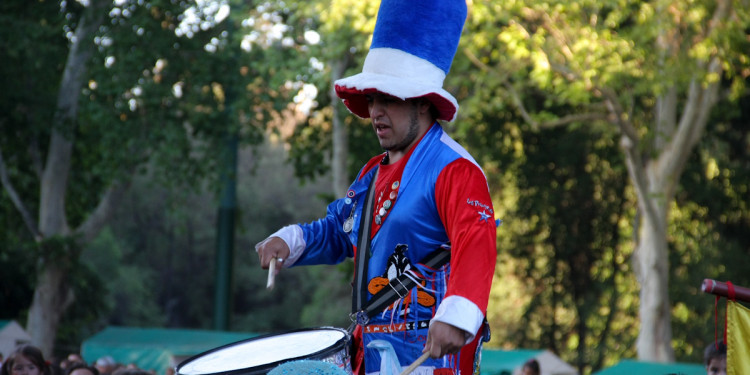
(340, 139)
(52, 294)
(655, 336)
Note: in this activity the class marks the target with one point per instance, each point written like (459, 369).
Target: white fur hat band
(413, 46)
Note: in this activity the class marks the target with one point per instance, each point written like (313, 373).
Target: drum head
(261, 354)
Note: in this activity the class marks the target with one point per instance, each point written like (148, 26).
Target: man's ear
(424, 106)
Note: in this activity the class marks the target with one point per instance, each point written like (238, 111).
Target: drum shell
(336, 353)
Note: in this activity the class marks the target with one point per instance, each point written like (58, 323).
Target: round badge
(387, 204)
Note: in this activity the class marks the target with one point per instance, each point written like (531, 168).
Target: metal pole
(227, 208)
(225, 239)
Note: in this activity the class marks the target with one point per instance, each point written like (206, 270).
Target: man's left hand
(443, 338)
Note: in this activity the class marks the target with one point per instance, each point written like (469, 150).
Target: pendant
(348, 224)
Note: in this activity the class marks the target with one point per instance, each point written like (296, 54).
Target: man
(427, 193)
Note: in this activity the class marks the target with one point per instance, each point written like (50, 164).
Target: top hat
(412, 49)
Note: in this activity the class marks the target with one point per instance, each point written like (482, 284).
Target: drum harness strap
(363, 310)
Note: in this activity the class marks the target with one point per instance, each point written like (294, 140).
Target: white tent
(11, 335)
(552, 365)
(510, 362)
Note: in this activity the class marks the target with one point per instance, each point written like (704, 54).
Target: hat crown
(429, 29)
(412, 50)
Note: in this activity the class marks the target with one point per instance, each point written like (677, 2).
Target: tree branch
(93, 224)
(694, 119)
(700, 101)
(565, 120)
(17, 202)
(54, 180)
(630, 144)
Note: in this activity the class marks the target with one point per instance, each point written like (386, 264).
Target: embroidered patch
(397, 327)
(479, 204)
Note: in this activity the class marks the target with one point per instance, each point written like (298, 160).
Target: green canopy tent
(159, 349)
(628, 367)
(155, 349)
(509, 362)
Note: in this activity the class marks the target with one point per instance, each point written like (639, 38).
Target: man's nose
(375, 108)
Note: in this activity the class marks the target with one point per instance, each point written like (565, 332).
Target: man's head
(398, 123)
(412, 49)
(715, 358)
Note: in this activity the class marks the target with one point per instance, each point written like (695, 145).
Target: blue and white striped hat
(412, 50)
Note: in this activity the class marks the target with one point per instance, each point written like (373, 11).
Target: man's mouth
(381, 129)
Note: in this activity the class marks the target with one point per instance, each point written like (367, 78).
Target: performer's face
(395, 121)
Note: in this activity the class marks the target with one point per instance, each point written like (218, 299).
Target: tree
(648, 72)
(143, 84)
(52, 293)
(322, 141)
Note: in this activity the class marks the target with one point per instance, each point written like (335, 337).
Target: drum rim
(268, 366)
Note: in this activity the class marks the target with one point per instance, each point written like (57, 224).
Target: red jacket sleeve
(465, 207)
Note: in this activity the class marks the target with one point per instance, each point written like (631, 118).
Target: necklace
(381, 210)
(349, 222)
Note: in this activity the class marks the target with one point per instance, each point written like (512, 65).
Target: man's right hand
(272, 248)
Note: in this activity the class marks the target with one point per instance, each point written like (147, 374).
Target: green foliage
(161, 93)
(80, 320)
(345, 27)
(563, 248)
(156, 259)
(17, 278)
(564, 279)
(709, 226)
(303, 296)
(551, 63)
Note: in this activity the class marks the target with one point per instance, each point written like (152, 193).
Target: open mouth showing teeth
(380, 128)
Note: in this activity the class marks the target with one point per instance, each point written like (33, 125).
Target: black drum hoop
(340, 344)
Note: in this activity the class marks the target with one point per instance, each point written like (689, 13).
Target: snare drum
(259, 355)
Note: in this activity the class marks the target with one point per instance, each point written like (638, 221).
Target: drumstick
(416, 363)
(271, 273)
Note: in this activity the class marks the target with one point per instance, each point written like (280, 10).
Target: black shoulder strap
(401, 285)
(359, 290)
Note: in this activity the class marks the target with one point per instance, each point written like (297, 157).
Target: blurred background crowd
(29, 360)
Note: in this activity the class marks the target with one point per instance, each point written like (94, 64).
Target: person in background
(68, 361)
(105, 365)
(531, 367)
(25, 360)
(131, 371)
(80, 368)
(75, 358)
(715, 358)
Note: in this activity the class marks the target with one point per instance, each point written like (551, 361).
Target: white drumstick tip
(271, 273)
